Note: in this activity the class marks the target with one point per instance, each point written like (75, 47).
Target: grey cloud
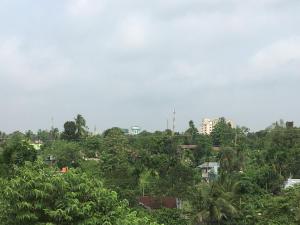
(131, 62)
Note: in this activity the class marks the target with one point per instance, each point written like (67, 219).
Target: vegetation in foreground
(108, 172)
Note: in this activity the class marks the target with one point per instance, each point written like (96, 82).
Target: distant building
(209, 170)
(134, 130)
(208, 125)
(291, 182)
(289, 124)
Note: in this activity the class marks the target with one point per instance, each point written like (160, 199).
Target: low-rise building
(209, 170)
(134, 130)
(291, 182)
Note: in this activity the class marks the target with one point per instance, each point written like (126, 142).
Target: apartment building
(207, 125)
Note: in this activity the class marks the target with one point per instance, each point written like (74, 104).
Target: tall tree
(191, 133)
(80, 126)
(213, 205)
(29, 135)
(69, 132)
(44, 135)
(18, 151)
(40, 195)
(54, 133)
(117, 164)
(223, 134)
(65, 153)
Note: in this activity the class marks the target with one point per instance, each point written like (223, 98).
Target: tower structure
(174, 120)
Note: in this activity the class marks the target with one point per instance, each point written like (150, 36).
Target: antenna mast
(174, 115)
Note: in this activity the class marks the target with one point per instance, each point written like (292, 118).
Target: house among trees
(188, 147)
(50, 160)
(209, 170)
(150, 202)
(134, 130)
(291, 183)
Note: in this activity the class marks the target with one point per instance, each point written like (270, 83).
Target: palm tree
(231, 162)
(215, 205)
(80, 126)
(228, 159)
(54, 133)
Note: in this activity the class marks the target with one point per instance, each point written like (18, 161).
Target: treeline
(109, 172)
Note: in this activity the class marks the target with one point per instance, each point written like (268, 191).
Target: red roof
(158, 202)
(64, 169)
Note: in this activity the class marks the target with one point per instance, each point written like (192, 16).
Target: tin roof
(209, 164)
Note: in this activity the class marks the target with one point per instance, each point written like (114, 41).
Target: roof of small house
(291, 182)
(209, 165)
(188, 146)
(150, 202)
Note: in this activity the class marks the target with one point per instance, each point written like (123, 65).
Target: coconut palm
(214, 205)
(80, 126)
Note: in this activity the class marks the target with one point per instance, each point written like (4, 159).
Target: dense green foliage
(248, 188)
(40, 195)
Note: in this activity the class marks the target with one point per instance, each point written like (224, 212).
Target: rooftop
(209, 164)
(291, 182)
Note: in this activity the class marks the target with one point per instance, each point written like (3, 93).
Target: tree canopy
(40, 195)
(109, 172)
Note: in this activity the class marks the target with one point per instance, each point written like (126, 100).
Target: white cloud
(162, 50)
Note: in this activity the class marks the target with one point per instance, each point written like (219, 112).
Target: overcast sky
(130, 62)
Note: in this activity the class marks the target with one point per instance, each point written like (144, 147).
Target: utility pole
(174, 115)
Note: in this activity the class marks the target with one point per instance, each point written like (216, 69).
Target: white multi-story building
(209, 124)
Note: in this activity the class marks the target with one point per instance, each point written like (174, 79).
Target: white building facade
(208, 125)
(134, 130)
(291, 183)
